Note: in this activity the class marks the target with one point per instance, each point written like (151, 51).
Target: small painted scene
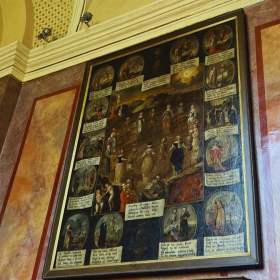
(108, 231)
(75, 232)
(179, 223)
(224, 213)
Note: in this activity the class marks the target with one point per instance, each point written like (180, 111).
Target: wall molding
(145, 23)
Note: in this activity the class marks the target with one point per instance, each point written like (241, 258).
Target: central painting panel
(157, 177)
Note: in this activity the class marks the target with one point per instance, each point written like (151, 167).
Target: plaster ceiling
(22, 20)
(105, 9)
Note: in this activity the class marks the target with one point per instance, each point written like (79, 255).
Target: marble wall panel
(3, 85)
(30, 194)
(11, 153)
(9, 91)
(31, 90)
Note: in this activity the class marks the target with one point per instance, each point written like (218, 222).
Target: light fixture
(86, 18)
(45, 34)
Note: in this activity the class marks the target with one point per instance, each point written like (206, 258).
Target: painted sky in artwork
(27, 206)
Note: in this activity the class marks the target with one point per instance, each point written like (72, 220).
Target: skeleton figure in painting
(147, 164)
(177, 155)
(167, 120)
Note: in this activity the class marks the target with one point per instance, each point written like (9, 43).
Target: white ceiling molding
(150, 21)
(13, 60)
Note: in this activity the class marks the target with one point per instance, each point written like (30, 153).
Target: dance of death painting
(160, 172)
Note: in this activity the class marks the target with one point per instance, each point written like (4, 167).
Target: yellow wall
(17, 17)
(1, 25)
(106, 9)
(13, 21)
(28, 34)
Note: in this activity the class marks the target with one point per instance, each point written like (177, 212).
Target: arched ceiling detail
(23, 20)
(106, 9)
(121, 30)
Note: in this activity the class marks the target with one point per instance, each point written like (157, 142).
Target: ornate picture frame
(160, 171)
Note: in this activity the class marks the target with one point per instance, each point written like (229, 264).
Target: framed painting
(160, 172)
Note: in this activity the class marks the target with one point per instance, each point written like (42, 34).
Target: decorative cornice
(154, 20)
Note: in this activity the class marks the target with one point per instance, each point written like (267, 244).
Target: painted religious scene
(157, 173)
(154, 146)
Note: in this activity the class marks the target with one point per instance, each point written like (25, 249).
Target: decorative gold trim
(245, 187)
